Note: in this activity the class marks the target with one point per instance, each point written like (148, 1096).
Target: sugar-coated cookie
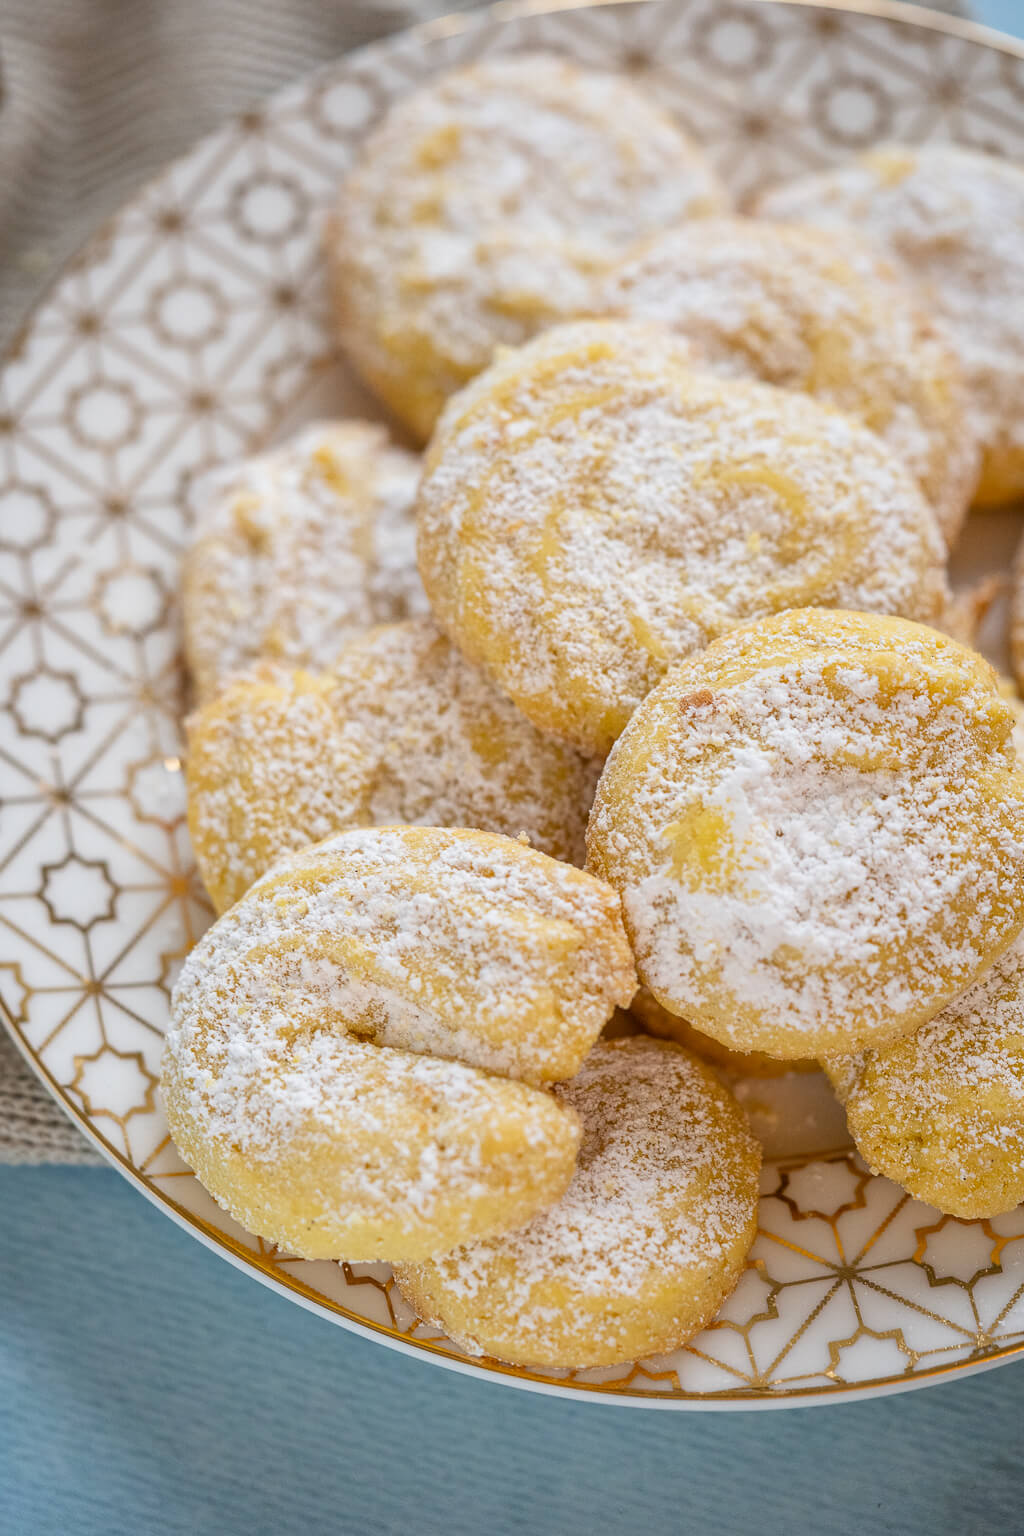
(299, 549)
(402, 729)
(817, 830)
(942, 1111)
(484, 207)
(954, 218)
(593, 510)
(657, 1020)
(817, 311)
(356, 1048)
(647, 1241)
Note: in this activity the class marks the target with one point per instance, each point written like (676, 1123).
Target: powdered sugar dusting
(298, 549)
(809, 309)
(450, 944)
(943, 1111)
(821, 842)
(442, 747)
(592, 510)
(665, 1186)
(403, 730)
(955, 219)
(481, 209)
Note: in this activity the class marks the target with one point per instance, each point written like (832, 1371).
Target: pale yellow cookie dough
(355, 1056)
(593, 510)
(299, 549)
(816, 311)
(817, 830)
(647, 1241)
(669, 1026)
(402, 729)
(483, 209)
(942, 1112)
(954, 219)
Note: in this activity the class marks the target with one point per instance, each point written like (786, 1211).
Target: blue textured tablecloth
(147, 1388)
(1005, 14)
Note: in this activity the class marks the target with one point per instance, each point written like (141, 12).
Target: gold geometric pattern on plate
(193, 328)
(114, 1083)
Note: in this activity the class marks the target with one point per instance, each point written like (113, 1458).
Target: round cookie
(954, 218)
(483, 208)
(401, 730)
(297, 550)
(817, 831)
(647, 1241)
(812, 310)
(942, 1112)
(592, 510)
(356, 1050)
(657, 1020)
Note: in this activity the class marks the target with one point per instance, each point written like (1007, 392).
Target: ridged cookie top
(664, 1196)
(441, 746)
(298, 549)
(820, 312)
(593, 509)
(955, 219)
(942, 1111)
(483, 206)
(452, 944)
(403, 729)
(817, 829)
(663, 1179)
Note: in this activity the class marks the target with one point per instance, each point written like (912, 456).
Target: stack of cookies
(636, 692)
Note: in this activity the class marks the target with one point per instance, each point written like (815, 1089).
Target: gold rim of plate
(262, 1266)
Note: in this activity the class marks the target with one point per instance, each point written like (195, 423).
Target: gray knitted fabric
(97, 95)
(32, 1128)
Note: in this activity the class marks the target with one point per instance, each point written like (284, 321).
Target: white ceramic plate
(193, 329)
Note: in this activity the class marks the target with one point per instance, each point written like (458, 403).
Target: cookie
(657, 1020)
(401, 730)
(483, 209)
(357, 1050)
(647, 1241)
(817, 831)
(954, 219)
(816, 311)
(942, 1112)
(298, 550)
(593, 510)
